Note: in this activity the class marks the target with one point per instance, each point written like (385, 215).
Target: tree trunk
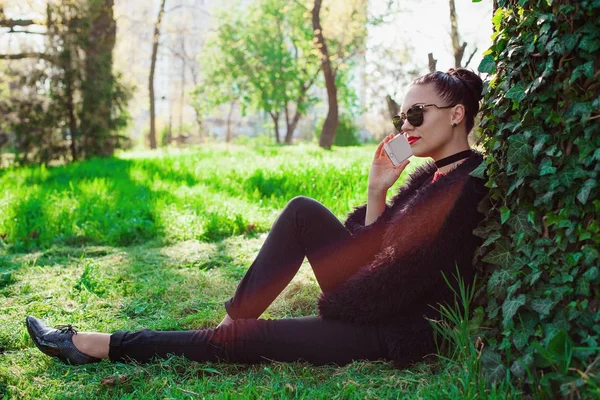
(332, 119)
(275, 118)
(182, 94)
(457, 49)
(152, 136)
(291, 126)
(68, 58)
(72, 119)
(96, 114)
(229, 134)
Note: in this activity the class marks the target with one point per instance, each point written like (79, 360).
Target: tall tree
(79, 93)
(332, 120)
(268, 52)
(99, 79)
(340, 35)
(155, 42)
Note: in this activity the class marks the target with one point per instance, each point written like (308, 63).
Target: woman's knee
(301, 203)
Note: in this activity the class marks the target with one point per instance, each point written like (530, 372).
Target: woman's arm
(375, 206)
(382, 175)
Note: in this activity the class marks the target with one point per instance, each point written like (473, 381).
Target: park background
(147, 147)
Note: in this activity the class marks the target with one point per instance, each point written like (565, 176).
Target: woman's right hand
(383, 173)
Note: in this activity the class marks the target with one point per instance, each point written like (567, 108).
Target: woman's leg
(304, 228)
(251, 341)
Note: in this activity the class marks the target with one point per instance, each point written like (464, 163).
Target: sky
(424, 25)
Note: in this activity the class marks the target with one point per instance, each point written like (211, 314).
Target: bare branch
(26, 32)
(22, 56)
(11, 23)
(432, 62)
(471, 57)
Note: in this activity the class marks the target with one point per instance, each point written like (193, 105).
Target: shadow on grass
(93, 202)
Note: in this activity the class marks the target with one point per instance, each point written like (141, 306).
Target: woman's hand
(383, 173)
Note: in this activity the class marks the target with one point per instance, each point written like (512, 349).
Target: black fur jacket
(427, 230)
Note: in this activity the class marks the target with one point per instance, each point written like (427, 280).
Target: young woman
(381, 272)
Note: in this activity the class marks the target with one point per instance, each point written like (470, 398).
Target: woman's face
(434, 136)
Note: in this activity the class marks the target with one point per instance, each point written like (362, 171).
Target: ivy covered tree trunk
(541, 129)
(99, 80)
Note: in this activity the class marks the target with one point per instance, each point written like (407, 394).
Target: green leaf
(540, 142)
(487, 65)
(504, 214)
(591, 274)
(516, 92)
(479, 172)
(547, 168)
(519, 222)
(560, 349)
(491, 239)
(492, 365)
(498, 281)
(492, 308)
(586, 189)
(522, 365)
(589, 43)
(500, 255)
(543, 306)
(510, 308)
(520, 154)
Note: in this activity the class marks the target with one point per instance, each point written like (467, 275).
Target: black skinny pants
(304, 228)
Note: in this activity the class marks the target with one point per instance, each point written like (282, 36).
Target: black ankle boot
(57, 342)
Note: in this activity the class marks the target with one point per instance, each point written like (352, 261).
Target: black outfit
(377, 281)
(304, 228)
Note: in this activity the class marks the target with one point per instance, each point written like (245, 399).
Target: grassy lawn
(160, 241)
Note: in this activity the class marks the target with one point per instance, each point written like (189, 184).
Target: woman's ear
(458, 114)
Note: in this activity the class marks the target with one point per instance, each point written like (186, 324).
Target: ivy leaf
(479, 172)
(519, 150)
(584, 192)
(498, 281)
(510, 307)
(516, 92)
(589, 43)
(487, 65)
(543, 306)
(492, 365)
(500, 255)
(491, 239)
(547, 168)
(591, 274)
(519, 222)
(504, 214)
(492, 308)
(540, 141)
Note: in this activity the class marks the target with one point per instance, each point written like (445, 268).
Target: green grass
(160, 241)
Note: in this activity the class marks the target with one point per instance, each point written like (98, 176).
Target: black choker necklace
(453, 158)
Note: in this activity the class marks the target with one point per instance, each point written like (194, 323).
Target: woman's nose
(406, 126)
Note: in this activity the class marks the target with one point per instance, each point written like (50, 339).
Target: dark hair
(457, 86)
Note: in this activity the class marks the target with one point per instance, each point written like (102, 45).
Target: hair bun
(470, 79)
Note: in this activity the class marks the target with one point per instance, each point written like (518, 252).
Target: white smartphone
(398, 149)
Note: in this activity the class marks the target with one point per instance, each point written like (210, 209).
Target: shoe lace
(66, 329)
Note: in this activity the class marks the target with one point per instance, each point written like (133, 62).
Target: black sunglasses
(414, 115)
